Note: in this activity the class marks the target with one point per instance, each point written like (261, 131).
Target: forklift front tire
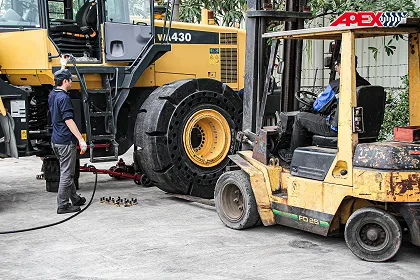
(373, 234)
(235, 200)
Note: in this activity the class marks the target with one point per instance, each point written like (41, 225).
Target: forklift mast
(257, 87)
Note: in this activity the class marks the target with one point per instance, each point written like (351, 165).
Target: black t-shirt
(61, 109)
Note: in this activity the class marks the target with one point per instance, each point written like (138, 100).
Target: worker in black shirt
(325, 119)
(64, 137)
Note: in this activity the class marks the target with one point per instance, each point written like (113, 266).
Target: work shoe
(40, 176)
(286, 155)
(68, 209)
(81, 201)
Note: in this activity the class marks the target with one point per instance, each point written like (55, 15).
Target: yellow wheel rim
(207, 138)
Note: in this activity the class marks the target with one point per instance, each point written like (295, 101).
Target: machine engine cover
(388, 155)
(312, 162)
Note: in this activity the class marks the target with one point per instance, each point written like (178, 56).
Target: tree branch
(324, 14)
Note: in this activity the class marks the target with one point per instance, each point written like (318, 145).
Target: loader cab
(80, 27)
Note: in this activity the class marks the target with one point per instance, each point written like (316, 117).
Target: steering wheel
(306, 97)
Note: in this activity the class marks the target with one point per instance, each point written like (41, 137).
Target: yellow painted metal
(387, 186)
(188, 59)
(165, 77)
(212, 131)
(29, 64)
(204, 16)
(349, 205)
(2, 109)
(241, 58)
(26, 77)
(414, 78)
(260, 186)
(24, 50)
(347, 140)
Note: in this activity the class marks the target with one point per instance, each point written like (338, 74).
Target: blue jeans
(66, 154)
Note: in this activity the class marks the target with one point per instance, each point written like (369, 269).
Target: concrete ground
(161, 238)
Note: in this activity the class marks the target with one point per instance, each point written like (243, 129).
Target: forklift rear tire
(185, 131)
(235, 200)
(373, 234)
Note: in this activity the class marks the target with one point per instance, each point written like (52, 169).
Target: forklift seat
(372, 99)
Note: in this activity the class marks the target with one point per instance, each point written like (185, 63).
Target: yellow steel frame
(340, 194)
(414, 78)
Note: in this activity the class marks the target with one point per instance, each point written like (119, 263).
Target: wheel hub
(232, 202)
(372, 234)
(373, 237)
(207, 138)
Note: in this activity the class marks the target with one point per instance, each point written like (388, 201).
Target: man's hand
(64, 60)
(83, 146)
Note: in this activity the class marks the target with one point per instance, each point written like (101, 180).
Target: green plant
(396, 110)
(229, 11)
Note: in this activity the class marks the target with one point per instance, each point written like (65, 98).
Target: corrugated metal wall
(385, 70)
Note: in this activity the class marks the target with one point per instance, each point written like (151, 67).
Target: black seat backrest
(372, 99)
(87, 15)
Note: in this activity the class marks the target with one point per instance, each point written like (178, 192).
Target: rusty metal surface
(387, 186)
(260, 151)
(388, 156)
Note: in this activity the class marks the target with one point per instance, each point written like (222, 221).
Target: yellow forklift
(351, 183)
(142, 80)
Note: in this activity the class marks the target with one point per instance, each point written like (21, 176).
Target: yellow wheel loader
(168, 88)
(351, 183)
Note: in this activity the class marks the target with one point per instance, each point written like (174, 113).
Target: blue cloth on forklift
(324, 98)
(61, 109)
(327, 102)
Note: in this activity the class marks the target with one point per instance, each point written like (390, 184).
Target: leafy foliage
(396, 110)
(229, 11)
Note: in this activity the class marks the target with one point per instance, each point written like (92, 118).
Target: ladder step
(100, 114)
(103, 137)
(104, 159)
(98, 91)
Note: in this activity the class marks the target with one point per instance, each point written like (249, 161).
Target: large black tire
(51, 168)
(373, 234)
(160, 128)
(235, 200)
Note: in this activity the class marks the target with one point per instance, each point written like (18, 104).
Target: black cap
(63, 74)
(338, 61)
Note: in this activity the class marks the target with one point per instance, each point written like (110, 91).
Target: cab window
(19, 13)
(124, 11)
